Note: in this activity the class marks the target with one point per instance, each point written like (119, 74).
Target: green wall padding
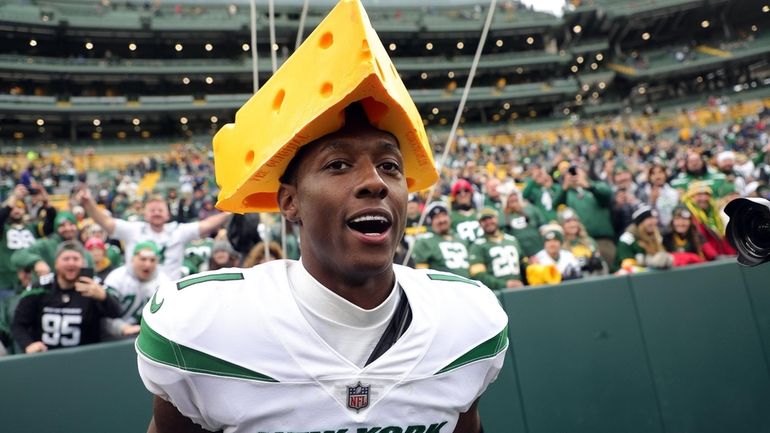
(681, 351)
(758, 288)
(705, 352)
(580, 359)
(500, 406)
(91, 389)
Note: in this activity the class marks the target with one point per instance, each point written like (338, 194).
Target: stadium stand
(622, 104)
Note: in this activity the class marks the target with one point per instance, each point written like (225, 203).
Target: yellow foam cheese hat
(341, 62)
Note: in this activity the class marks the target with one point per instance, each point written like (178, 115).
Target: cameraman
(67, 311)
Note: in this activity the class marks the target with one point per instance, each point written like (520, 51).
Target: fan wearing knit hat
(553, 253)
(133, 284)
(68, 310)
(496, 258)
(441, 248)
(642, 244)
(701, 203)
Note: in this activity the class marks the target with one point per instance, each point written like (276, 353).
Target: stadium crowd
(507, 216)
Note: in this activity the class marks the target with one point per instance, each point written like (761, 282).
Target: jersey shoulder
(206, 315)
(468, 320)
(480, 241)
(425, 236)
(510, 238)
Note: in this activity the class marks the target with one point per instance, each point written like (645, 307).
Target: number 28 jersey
(232, 351)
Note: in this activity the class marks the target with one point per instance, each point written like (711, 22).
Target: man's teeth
(366, 218)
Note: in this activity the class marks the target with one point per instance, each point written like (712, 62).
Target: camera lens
(751, 232)
(759, 233)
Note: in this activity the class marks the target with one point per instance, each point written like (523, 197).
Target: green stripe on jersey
(213, 277)
(455, 278)
(487, 349)
(160, 349)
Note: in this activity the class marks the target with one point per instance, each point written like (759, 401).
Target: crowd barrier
(682, 351)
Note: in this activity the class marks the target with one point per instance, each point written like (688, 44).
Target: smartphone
(86, 272)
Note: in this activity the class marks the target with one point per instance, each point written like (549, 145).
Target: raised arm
(214, 222)
(100, 217)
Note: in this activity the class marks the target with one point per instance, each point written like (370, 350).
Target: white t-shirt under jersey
(350, 330)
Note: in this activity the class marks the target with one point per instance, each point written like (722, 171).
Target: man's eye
(390, 166)
(338, 165)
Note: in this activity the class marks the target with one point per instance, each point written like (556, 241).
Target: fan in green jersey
(441, 249)
(463, 215)
(196, 256)
(496, 257)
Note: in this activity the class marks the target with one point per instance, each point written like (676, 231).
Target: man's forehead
(379, 141)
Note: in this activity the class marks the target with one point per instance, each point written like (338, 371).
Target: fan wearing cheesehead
(342, 340)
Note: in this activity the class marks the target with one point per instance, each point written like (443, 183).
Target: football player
(342, 340)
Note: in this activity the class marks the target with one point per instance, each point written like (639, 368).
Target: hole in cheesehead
(278, 100)
(260, 199)
(327, 89)
(326, 41)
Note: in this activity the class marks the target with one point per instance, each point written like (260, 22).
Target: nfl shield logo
(358, 396)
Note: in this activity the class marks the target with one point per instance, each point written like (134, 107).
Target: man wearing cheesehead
(342, 340)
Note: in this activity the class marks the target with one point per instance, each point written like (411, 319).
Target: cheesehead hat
(303, 102)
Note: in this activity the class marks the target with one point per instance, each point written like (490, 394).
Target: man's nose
(371, 183)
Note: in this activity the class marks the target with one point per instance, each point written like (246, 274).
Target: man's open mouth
(370, 224)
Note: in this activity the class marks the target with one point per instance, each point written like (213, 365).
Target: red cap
(92, 243)
(461, 184)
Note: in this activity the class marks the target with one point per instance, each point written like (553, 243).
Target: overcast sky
(552, 6)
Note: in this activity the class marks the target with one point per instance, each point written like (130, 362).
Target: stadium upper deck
(83, 70)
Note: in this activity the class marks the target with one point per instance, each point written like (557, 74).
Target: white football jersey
(232, 351)
(131, 292)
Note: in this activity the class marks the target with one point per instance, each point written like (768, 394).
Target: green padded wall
(500, 406)
(704, 349)
(682, 351)
(758, 288)
(92, 389)
(580, 359)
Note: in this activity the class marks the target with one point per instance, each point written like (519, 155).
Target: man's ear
(287, 202)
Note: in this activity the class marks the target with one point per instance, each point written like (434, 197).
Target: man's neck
(63, 284)
(366, 293)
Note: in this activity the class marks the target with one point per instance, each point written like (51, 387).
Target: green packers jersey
(466, 225)
(196, 256)
(15, 237)
(495, 260)
(629, 248)
(442, 253)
